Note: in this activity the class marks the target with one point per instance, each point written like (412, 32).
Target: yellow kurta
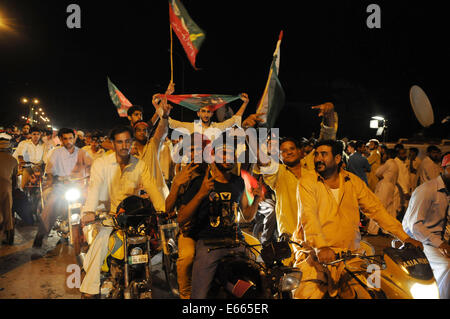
(375, 161)
(326, 222)
(284, 183)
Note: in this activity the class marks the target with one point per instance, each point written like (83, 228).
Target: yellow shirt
(109, 183)
(375, 161)
(284, 183)
(325, 222)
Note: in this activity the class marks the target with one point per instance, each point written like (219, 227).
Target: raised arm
(329, 123)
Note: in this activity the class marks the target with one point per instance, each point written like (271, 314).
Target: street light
(27, 102)
(381, 129)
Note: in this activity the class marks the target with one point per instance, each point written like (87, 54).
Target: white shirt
(428, 170)
(425, 216)
(213, 131)
(404, 179)
(63, 164)
(108, 179)
(30, 151)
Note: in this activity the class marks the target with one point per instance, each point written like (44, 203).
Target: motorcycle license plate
(138, 259)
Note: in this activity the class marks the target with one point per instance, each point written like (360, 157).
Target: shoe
(37, 255)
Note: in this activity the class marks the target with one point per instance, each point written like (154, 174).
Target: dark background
(327, 54)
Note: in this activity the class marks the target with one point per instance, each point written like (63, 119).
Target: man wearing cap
(427, 220)
(8, 173)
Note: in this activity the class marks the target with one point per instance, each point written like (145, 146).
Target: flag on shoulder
(120, 101)
(187, 31)
(195, 102)
(273, 98)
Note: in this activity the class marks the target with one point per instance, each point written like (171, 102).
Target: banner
(195, 102)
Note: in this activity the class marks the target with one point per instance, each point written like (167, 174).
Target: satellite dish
(421, 106)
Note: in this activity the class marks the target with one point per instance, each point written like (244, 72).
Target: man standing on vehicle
(427, 220)
(329, 205)
(65, 162)
(114, 177)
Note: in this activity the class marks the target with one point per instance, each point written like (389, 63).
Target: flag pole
(171, 55)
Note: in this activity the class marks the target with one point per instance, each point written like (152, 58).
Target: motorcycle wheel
(170, 271)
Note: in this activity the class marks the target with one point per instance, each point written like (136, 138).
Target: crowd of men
(315, 194)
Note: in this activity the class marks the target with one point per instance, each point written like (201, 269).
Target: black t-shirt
(215, 217)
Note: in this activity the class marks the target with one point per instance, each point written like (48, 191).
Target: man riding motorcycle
(114, 177)
(329, 218)
(66, 162)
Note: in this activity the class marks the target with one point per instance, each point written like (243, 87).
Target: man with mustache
(283, 180)
(329, 203)
(114, 177)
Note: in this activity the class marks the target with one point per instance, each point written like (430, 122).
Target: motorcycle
(126, 272)
(243, 275)
(399, 273)
(68, 220)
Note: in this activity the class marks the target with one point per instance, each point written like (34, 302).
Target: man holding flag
(204, 125)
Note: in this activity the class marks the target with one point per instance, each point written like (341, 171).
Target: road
(46, 277)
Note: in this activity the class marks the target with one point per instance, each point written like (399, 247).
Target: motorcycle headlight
(291, 281)
(73, 194)
(136, 251)
(419, 291)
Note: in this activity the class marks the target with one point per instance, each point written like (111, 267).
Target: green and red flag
(250, 182)
(195, 102)
(187, 31)
(120, 101)
(273, 98)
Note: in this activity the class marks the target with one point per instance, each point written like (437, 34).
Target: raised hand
(244, 97)
(253, 119)
(170, 88)
(207, 184)
(185, 174)
(324, 108)
(156, 100)
(258, 193)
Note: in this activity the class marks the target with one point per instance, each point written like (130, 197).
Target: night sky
(327, 54)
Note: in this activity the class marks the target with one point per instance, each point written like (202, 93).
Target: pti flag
(273, 97)
(195, 102)
(187, 31)
(250, 182)
(119, 100)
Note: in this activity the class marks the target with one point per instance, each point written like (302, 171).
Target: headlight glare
(419, 291)
(73, 194)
